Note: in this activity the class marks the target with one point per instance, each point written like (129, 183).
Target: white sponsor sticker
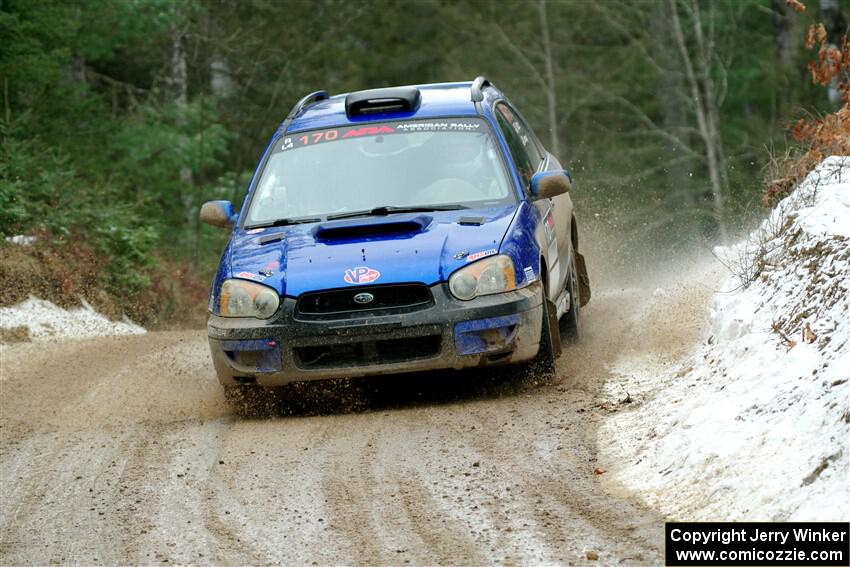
(479, 255)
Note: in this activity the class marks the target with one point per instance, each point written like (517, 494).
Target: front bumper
(489, 330)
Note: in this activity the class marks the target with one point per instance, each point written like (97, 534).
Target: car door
(529, 158)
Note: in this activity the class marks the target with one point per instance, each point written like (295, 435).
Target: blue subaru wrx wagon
(396, 230)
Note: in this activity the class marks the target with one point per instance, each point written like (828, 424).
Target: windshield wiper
(282, 222)
(389, 210)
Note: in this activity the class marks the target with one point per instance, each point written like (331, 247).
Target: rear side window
(520, 143)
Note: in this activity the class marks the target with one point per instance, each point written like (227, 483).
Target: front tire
(542, 366)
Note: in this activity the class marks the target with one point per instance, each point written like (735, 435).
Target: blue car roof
(439, 99)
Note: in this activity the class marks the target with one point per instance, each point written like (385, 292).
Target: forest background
(120, 118)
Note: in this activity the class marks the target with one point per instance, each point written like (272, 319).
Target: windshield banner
(313, 137)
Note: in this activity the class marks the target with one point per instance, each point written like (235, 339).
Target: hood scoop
(370, 227)
(471, 221)
(267, 238)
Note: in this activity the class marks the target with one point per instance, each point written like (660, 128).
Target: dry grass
(19, 334)
(819, 137)
(64, 273)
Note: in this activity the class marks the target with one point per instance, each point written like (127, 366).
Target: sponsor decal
(478, 255)
(249, 276)
(255, 231)
(361, 275)
(461, 255)
(530, 277)
(439, 126)
(549, 225)
(268, 269)
(311, 138)
(368, 131)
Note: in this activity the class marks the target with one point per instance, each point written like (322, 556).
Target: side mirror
(547, 184)
(218, 213)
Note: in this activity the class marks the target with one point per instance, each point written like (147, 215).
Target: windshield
(437, 163)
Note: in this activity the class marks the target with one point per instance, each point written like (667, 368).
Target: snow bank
(756, 425)
(21, 239)
(41, 320)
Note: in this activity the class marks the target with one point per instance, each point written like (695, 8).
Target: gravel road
(123, 451)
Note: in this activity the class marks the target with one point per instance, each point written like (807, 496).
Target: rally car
(396, 230)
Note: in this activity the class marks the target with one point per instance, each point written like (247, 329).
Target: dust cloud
(123, 450)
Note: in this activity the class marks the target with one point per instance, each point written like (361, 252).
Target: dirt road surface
(123, 451)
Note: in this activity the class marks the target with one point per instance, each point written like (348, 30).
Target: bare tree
(782, 30)
(678, 45)
(539, 60)
(836, 26)
(180, 85)
(549, 73)
(697, 63)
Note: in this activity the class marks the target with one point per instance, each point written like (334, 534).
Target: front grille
(381, 351)
(385, 297)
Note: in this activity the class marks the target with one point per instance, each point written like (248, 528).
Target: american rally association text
(744, 534)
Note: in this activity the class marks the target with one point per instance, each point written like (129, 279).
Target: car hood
(398, 248)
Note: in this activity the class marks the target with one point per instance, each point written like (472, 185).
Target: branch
(689, 72)
(637, 175)
(611, 18)
(520, 55)
(648, 122)
(113, 82)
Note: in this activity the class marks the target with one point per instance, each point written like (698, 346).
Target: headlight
(241, 298)
(491, 275)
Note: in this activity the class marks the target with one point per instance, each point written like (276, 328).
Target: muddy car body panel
(446, 177)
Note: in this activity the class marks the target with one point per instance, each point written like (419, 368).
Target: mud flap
(554, 329)
(583, 280)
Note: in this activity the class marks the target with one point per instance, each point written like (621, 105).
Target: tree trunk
(836, 27)
(672, 106)
(220, 82)
(783, 34)
(6, 103)
(76, 69)
(179, 75)
(551, 92)
(180, 84)
(705, 109)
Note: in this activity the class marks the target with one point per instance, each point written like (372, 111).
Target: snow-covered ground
(755, 425)
(40, 320)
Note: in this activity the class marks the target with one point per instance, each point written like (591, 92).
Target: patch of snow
(47, 321)
(21, 239)
(756, 424)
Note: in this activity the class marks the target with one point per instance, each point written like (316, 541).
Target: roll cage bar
(311, 98)
(398, 94)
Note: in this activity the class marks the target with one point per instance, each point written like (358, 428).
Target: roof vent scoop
(478, 86)
(376, 101)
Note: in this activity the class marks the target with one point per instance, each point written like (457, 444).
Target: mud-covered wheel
(542, 367)
(570, 323)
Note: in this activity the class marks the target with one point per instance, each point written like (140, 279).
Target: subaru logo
(363, 298)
